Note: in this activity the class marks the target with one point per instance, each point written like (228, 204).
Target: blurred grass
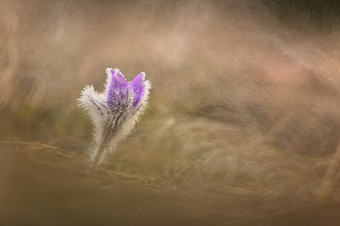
(242, 128)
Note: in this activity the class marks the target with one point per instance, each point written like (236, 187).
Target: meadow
(242, 127)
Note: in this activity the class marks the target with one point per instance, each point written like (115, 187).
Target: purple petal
(118, 80)
(117, 85)
(137, 86)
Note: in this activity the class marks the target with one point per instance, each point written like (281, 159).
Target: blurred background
(242, 127)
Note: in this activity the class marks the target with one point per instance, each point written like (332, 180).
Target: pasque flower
(115, 111)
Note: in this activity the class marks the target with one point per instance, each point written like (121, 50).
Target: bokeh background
(242, 127)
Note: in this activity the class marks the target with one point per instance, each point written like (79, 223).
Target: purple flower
(115, 111)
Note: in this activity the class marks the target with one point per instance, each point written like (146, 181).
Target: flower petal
(117, 87)
(137, 86)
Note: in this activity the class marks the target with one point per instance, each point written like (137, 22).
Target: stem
(98, 155)
(109, 133)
